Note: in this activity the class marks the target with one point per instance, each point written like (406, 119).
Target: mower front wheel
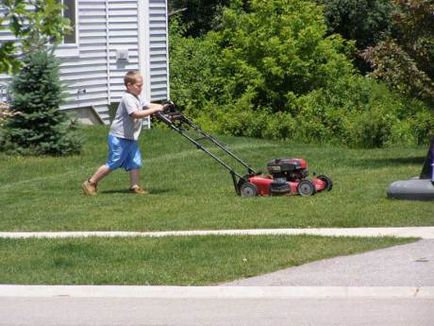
(248, 189)
(306, 188)
(327, 181)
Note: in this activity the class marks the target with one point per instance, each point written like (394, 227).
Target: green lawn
(166, 261)
(191, 191)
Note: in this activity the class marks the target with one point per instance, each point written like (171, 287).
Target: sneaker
(138, 190)
(89, 188)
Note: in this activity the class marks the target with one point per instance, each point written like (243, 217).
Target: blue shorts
(123, 153)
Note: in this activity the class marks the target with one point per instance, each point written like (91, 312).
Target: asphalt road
(405, 265)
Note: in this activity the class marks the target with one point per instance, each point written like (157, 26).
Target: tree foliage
(273, 70)
(405, 60)
(198, 16)
(194, 63)
(399, 70)
(364, 21)
(35, 23)
(38, 126)
(278, 49)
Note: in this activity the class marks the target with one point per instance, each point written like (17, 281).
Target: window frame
(72, 16)
(70, 49)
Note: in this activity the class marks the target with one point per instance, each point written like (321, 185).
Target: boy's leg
(135, 181)
(133, 166)
(134, 177)
(100, 173)
(90, 185)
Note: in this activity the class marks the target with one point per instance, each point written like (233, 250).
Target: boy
(124, 132)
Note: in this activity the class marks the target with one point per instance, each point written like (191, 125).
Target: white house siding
(92, 72)
(158, 49)
(4, 36)
(85, 71)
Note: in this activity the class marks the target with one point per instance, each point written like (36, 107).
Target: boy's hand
(151, 109)
(159, 108)
(169, 106)
(154, 107)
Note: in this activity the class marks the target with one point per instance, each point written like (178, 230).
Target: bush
(361, 112)
(193, 66)
(273, 72)
(39, 127)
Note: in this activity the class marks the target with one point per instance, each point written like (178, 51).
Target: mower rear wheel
(306, 188)
(328, 182)
(248, 189)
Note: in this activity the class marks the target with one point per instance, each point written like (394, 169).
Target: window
(70, 13)
(69, 47)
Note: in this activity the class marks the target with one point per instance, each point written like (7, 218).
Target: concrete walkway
(254, 311)
(416, 232)
(214, 292)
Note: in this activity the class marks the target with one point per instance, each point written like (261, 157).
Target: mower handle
(169, 114)
(169, 106)
(179, 123)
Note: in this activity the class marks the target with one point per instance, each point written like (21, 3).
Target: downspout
(167, 52)
(144, 50)
(107, 46)
(144, 44)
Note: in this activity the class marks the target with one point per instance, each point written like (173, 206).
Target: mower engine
(291, 169)
(284, 170)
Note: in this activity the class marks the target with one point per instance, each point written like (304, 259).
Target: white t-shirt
(123, 125)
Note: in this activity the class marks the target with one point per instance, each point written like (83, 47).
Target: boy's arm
(151, 109)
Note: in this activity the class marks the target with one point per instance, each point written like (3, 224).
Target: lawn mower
(286, 176)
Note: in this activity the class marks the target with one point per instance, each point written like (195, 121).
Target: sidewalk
(215, 292)
(416, 232)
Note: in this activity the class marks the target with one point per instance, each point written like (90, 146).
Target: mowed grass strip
(203, 260)
(190, 191)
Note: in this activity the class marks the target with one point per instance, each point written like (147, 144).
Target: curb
(213, 292)
(401, 232)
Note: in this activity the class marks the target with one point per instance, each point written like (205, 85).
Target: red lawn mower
(286, 176)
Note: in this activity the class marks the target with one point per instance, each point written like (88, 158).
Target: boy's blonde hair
(131, 77)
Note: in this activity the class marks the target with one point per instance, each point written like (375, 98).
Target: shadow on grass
(152, 191)
(384, 162)
(115, 191)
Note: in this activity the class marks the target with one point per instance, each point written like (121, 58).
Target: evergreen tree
(39, 127)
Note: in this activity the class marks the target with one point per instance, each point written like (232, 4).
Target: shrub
(193, 70)
(273, 72)
(362, 112)
(39, 128)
